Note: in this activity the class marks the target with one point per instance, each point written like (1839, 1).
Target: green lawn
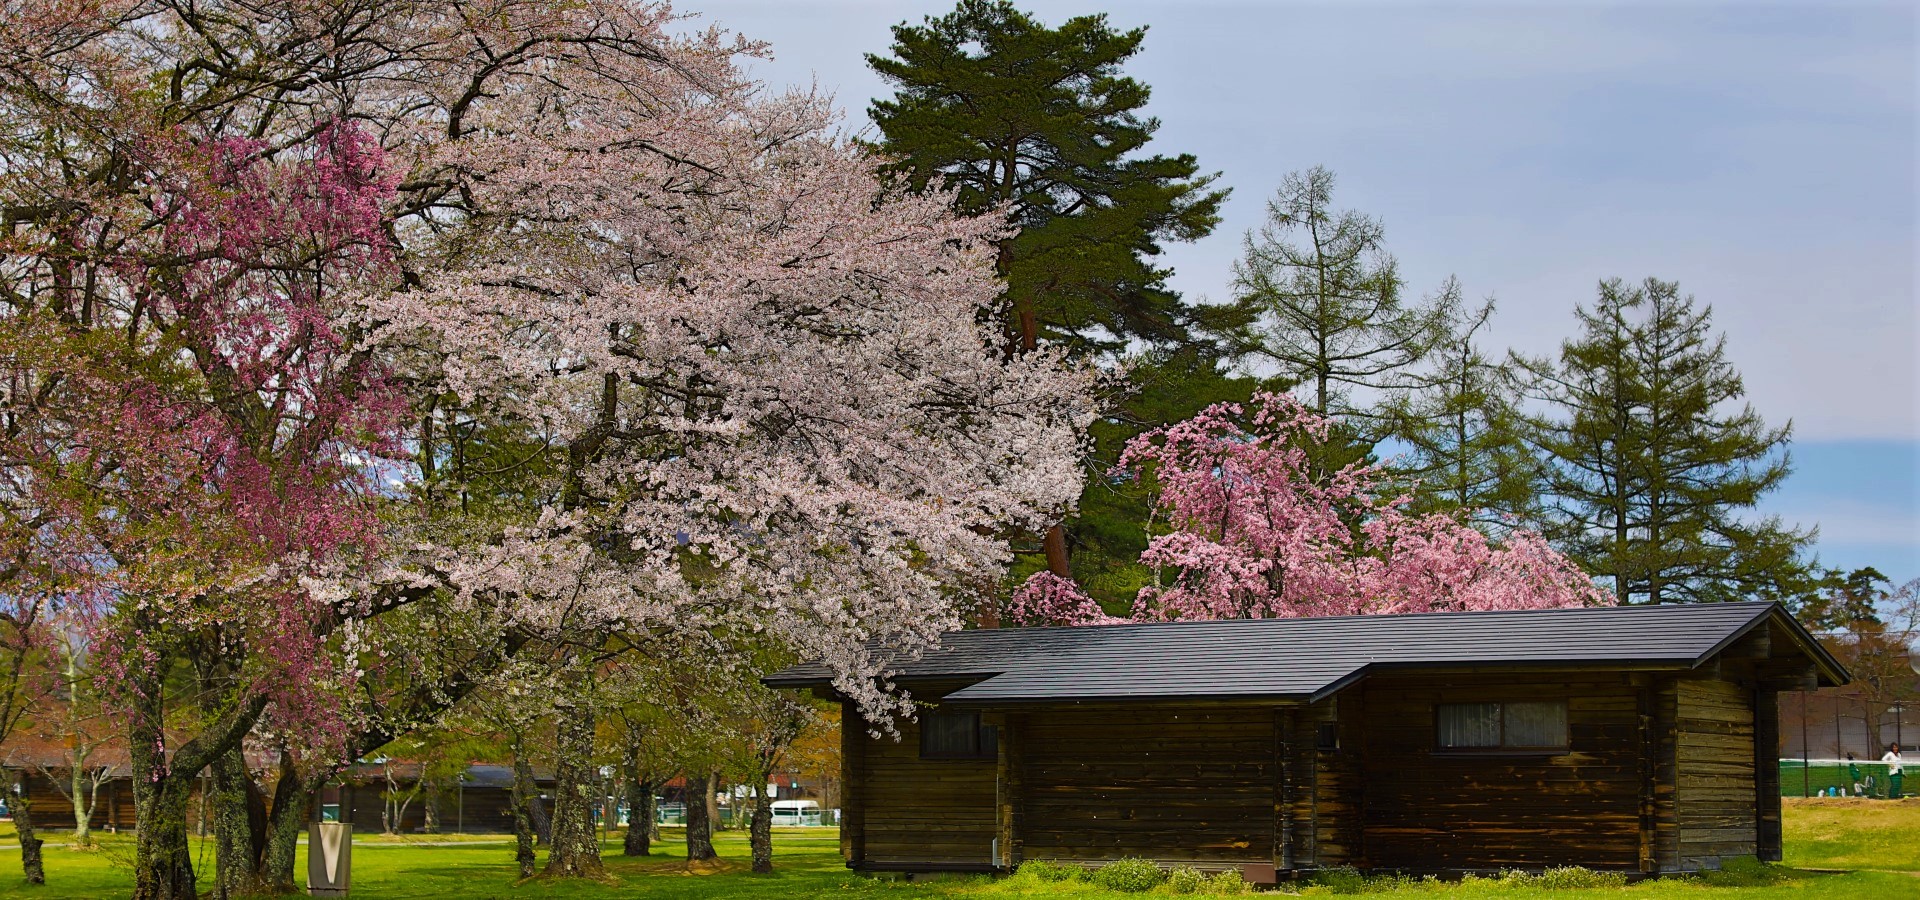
(1875, 848)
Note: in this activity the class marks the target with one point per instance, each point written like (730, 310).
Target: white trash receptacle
(329, 858)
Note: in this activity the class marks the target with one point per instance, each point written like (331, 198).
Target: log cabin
(1634, 739)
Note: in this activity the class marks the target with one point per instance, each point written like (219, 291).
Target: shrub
(1340, 880)
(1228, 882)
(1186, 880)
(1128, 876)
(1566, 878)
(1048, 870)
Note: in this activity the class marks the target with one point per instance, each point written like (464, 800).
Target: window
(1327, 740)
(1523, 725)
(957, 735)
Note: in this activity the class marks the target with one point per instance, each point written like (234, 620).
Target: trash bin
(329, 858)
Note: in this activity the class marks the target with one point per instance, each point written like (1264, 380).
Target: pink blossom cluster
(1257, 534)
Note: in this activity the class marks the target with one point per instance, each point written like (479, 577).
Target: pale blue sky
(1762, 155)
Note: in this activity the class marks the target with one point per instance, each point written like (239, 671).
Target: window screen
(1469, 725)
(1536, 724)
(1524, 725)
(957, 735)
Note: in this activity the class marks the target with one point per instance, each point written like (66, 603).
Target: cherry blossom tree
(1256, 534)
(271, 272)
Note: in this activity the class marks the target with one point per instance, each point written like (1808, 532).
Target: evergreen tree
(1654, 465)
(1464, 429)
(1319, 299)
(1042, 124)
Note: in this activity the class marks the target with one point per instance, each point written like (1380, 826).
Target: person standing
(1892, 759)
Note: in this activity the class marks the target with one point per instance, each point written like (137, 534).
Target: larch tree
(1322, 303)
(1039, 125)
(1655, 463)
(1464, 431)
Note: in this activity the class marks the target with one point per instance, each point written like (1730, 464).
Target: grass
(1836, 849)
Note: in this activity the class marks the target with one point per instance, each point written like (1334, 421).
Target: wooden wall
(1715, 797)
(1174, 784)
(113, 810)
(1659, 777)
(1427, 809)
(917, 812)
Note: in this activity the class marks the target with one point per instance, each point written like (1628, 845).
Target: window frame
(985, 743)
(1503, 748)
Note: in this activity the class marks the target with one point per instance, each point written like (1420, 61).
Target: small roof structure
(1309, 659)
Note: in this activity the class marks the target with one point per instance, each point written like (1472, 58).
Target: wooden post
(1283, 789)
(1649, 821)
(1766, 772)
(1011, 788)
(853, 811)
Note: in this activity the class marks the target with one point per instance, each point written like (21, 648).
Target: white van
(796, 812)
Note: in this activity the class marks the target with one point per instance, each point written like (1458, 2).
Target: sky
(1762, 155)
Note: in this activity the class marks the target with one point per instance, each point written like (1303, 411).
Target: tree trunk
(83, 803)
(574, 850)
(292, 809)
(162, 862)
(239, 827)
(31, 863)
(760, 832)
(523, 803)
(714, 787)
(1056, 547)
(699, 820)
(639, 808)
(430, 810)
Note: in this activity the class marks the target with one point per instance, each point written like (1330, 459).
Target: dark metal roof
(1307, 659)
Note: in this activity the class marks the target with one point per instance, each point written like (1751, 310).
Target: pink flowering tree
(669, 357)
(1255, 533)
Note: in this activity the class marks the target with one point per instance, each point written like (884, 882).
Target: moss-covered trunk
(239, 828)
(524, 800)
(287, 818)
(574, 850)
(32, 863)
(760, 830)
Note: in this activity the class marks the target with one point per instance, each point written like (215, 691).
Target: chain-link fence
(1838, 777)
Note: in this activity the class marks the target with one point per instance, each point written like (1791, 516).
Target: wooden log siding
(920, 813)
(1176, 784)
(1715, 796)
(1432, 810)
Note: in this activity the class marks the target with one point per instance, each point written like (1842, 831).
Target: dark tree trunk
(524, 801)
(639, 807)
(574, 850)
(32, 863)
(699, 823)
(760, 831)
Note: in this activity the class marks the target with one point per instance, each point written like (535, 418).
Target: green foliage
(1048, 871)
(1318, 297)
(1463, 429)
(1128, 875)
(1339, 880)
(1186, 880)
(1040, 121)
(1746, 871)
(1654, 462)
(1228, 882)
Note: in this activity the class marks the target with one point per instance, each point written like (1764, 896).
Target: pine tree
(1463, 427)
(1320, 300)
(1654, 462)
(1041, 123)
